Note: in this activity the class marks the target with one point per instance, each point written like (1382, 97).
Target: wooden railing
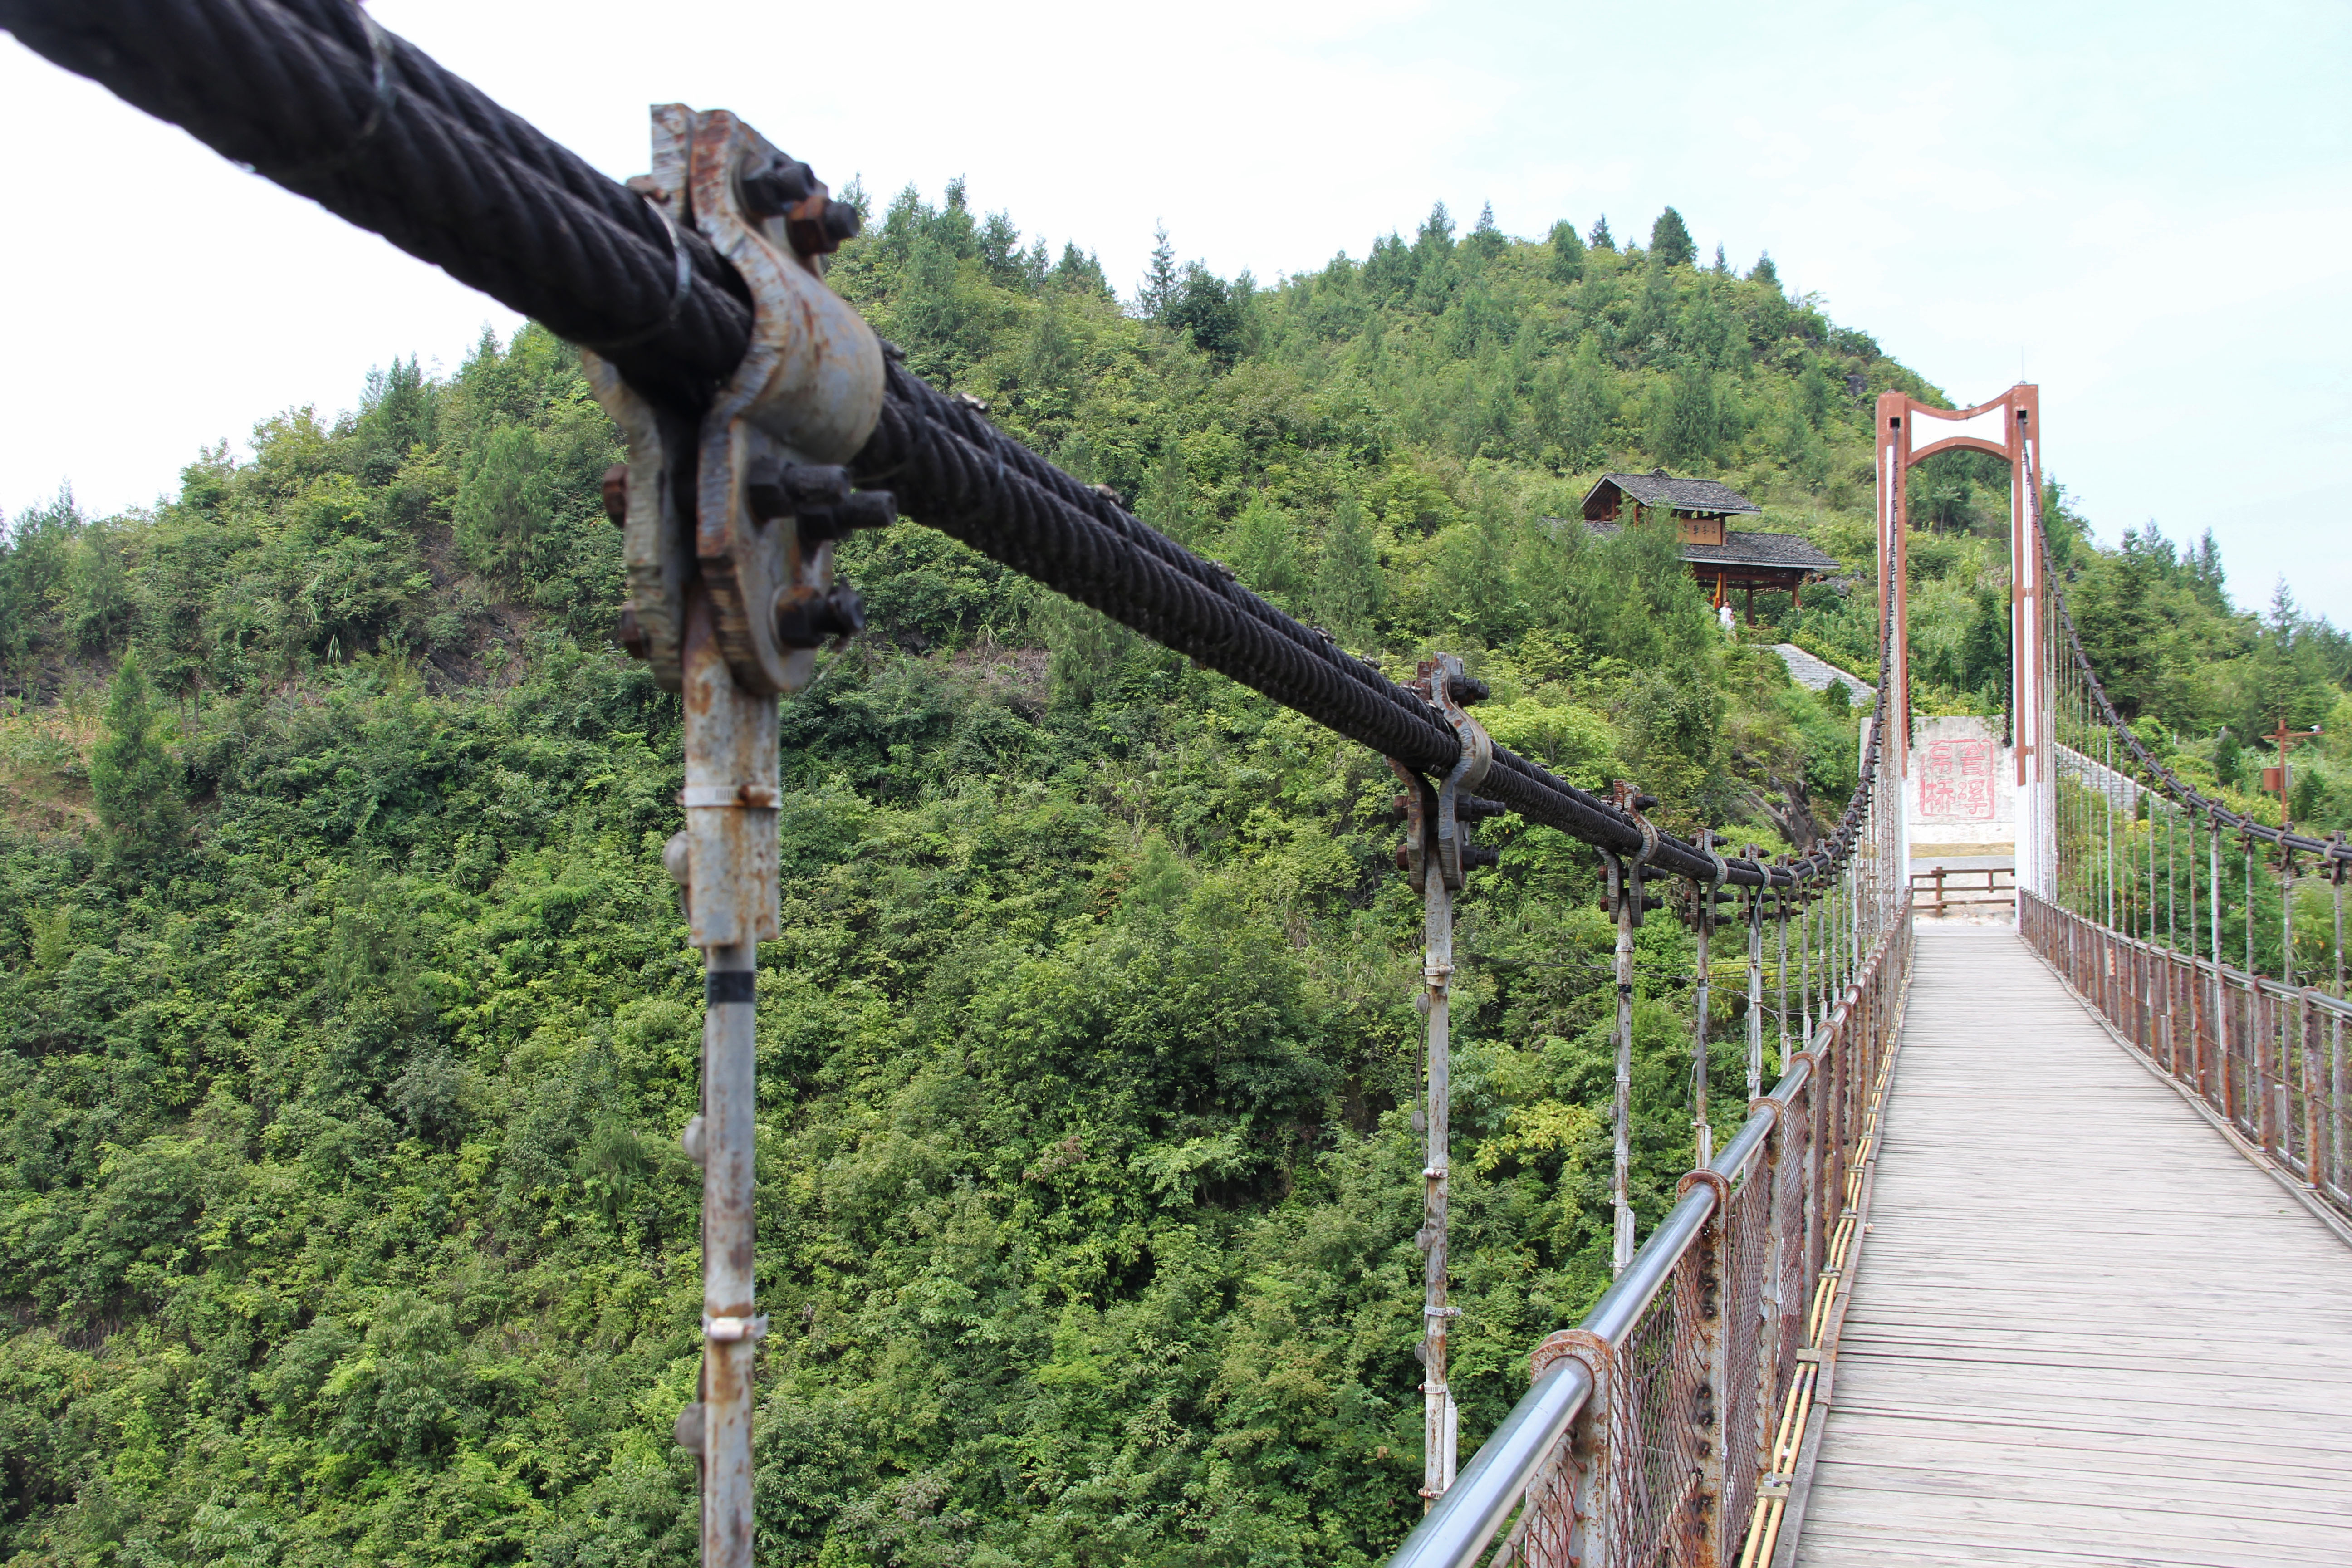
(1952, 888)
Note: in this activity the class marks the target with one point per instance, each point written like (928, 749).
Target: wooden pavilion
(1723, 559)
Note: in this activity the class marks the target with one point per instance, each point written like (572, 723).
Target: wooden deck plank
(2145, 1451)
(2130, 1470)
(2085, 1331)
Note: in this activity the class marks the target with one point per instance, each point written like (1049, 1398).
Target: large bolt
(819, 224)
(858, 510)
(805, 618)
(781, 489)
(775, 190)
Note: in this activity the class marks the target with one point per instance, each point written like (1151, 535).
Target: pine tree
(1437, 235)
(999, 250)
(1166, 502)
(2206, 579)
(1722, 263)
(953, 226)
(1588, 402)
(1078, 270)
(1485, 239)
(130, 774)
(1566, 254)
(505, 500)
(2123, 628)
(1263, 549)
(1599, 239)
(1160, 283)
(1205, 308)
(1984, 649)
(2289, 686)
(1389, 271)
(1765, 272)
(1348, 586)
(2229, 758)
(1670, 240)
(1434, 267)
(1687, 424)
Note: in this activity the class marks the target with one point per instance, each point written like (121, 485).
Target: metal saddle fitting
(1696, 901)
(748, 502)
(1438, 818)
(1625, 874)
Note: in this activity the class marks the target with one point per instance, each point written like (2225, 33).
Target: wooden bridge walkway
(2085, 1330)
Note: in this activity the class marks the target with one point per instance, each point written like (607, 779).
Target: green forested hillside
(347, 1021)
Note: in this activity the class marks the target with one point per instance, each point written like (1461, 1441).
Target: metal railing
(2266, 1056)
(1656, 1427)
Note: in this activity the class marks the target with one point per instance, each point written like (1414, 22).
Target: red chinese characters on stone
(1956, 781)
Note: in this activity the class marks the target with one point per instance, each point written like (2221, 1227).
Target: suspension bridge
(2036, 1242)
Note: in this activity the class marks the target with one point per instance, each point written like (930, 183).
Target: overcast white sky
(2147, 207)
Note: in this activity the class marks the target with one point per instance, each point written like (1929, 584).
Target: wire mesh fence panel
(1830, 1201)
(1750, 1265)
(2263, 1083)
(1653, 1461)
(1542, 1534)
(2341, 1108)
(2180, 1030)
(1789, 1217)
(2202, 1032)
(2294, 1097)
(2261, 1071)
(2240, 1015)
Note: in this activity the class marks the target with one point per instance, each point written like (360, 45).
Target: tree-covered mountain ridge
(347, 1022)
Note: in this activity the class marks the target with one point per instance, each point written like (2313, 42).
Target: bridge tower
(2010, 426)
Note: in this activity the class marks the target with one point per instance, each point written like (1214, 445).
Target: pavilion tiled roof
(1789, 551)
(1739, 549)
(1660, 488)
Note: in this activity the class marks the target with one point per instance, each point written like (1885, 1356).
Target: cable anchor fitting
(748, 500)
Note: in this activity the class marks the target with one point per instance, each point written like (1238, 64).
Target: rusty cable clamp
(1437, 817)
(1624, 873)
(748, 500)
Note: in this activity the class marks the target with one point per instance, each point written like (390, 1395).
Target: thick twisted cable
(287, 86)
(951, 468)
(1535, 793)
